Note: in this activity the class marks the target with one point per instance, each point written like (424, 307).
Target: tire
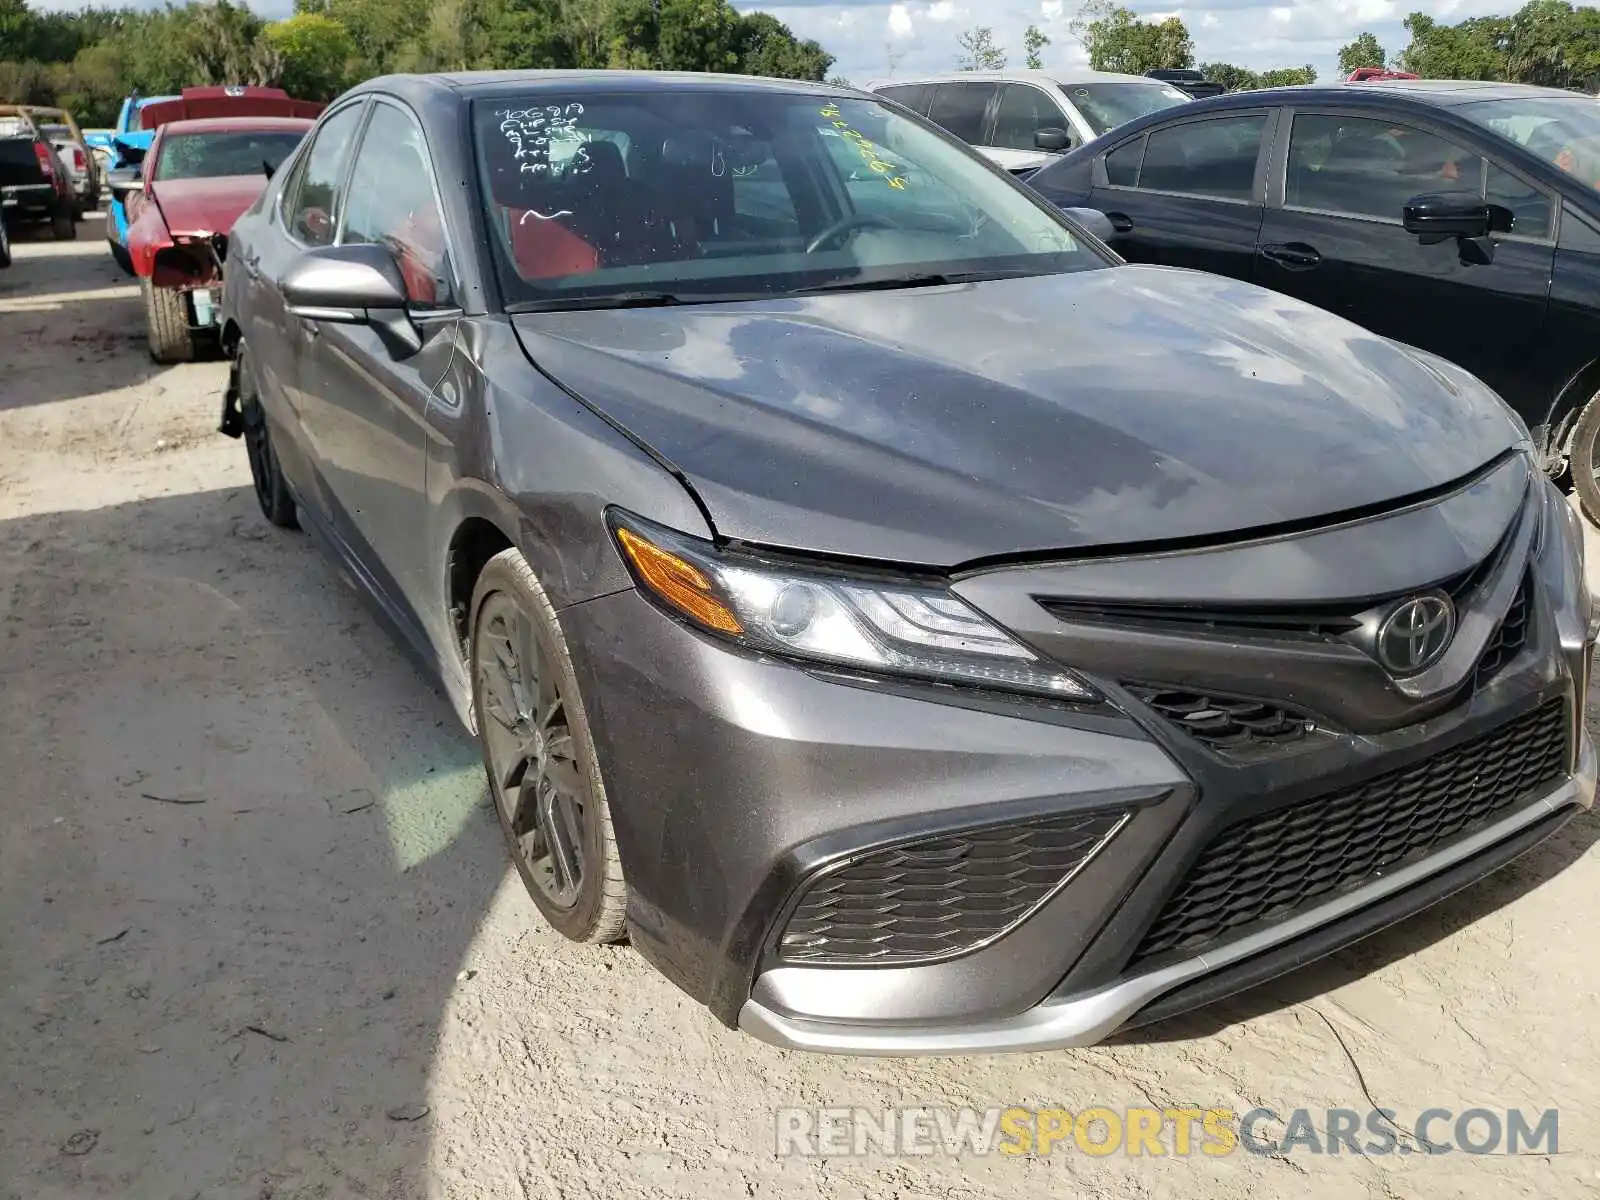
(5, 245)
(165, 324)
(120, 253)
(62, 227)
(1585, 459)
(272, 491)
(515, 633)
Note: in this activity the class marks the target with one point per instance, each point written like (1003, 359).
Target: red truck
(214, 150)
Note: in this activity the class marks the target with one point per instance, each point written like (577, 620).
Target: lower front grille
(1267, 868)
(1231, 726)
(928, 900)
(1509, 639)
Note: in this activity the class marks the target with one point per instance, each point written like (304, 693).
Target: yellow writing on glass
(869, 152)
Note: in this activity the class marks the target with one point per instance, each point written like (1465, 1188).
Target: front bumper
(1083, 1019)
(736, 782)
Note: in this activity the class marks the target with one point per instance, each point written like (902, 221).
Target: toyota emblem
(1416, 633)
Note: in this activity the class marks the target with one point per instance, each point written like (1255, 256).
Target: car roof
(1439, 93)
(482, 84)
(1065, 77)
(238, 124)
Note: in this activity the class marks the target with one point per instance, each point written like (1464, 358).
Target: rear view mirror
(1052, 139)
(352, 285)
(1437, 218)
(124, 180)
(1095, 221)
(1460, 215)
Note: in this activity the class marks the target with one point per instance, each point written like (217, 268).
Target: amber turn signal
(680, 584)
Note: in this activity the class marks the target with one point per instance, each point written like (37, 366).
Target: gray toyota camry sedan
(916, 630)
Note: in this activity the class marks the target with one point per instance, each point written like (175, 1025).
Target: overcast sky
(874, 38)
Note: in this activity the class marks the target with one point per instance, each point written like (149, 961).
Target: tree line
(1552, 43)
(89, 60)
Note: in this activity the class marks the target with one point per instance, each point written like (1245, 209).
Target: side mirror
(1438, 218)
(124, 180)
(1095, 221)
(352, 285)
(1052, 139)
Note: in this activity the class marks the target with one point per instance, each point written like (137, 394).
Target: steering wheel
(844, 225)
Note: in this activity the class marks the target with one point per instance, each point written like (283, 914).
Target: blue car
(127, 145)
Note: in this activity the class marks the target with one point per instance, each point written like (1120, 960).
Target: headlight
(891, 627)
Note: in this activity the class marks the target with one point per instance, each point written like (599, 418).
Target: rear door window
(1214, 158)
(962, 108)
(913, 95)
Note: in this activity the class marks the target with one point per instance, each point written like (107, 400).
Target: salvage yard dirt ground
(259, 937)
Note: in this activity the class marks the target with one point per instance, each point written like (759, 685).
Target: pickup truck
(34, 184)
(82, 167)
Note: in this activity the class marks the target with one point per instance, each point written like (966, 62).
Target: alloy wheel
(537, 781)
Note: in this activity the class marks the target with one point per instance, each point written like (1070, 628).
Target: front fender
(146, 237)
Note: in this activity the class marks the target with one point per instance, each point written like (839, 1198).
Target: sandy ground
(259, 939)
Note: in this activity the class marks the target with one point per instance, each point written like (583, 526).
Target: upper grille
(1508, 640)
(927, 900)
(1265, 868)
(1234, 727)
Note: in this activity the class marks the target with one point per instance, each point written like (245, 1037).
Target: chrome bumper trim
(1083, 1020)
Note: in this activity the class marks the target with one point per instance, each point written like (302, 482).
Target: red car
(198, 177)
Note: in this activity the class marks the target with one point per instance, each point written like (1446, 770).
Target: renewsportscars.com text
(1160, 1132)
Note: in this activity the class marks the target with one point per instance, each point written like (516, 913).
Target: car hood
(939, 426)
(200, 206)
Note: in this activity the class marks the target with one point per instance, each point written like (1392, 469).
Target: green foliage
(90, 60)
(1552, 43)
(1117, 40)
(979, 51)
(1243, 79)
(1365, 51)
(1033, 43)
(1288, 76)
(316, 53)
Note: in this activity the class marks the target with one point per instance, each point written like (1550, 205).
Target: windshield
(721, 193)
(1107, 105)
(1563, 130)
(237, 152)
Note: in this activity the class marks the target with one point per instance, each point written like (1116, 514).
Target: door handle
(1121, 222)
(1295, 256)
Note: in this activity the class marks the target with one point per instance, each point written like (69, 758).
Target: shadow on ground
(244, 851)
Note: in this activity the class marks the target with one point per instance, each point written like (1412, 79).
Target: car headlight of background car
(892, 627)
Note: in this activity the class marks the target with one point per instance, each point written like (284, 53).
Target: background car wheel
(166, 324)
(272, 491)
(62, 227)
(539, 754)
(1585, 460)
(5, 245)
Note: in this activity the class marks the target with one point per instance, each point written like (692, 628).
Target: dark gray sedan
(916, 629)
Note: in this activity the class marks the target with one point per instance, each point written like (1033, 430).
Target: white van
(1020, 119)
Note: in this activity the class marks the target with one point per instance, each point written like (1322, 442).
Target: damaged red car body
(200, 174)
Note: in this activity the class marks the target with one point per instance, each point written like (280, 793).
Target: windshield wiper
(912, 280)
(610, 300)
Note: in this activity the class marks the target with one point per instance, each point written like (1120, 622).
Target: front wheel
(166, 325)
(543, 772)
(1585, 459)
